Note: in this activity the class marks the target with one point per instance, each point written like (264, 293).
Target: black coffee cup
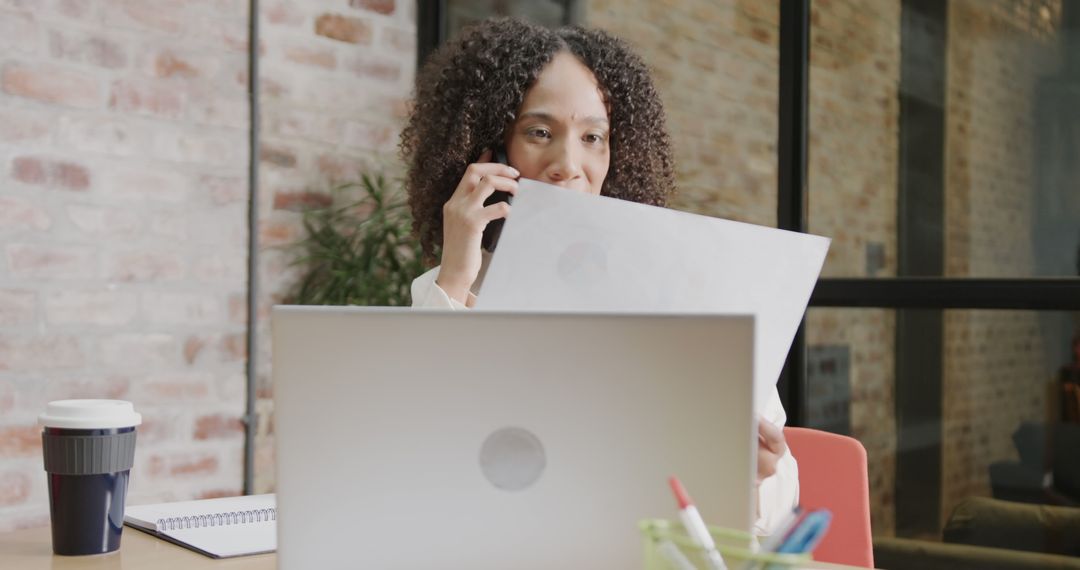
(89, 448)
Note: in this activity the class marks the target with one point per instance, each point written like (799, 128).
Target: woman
(571, 107)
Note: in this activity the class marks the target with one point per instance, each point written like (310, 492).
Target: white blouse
(777, 495)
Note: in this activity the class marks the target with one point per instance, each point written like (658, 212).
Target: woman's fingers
(771, 447)
(771, 436)
(487, 186)
(495, 211)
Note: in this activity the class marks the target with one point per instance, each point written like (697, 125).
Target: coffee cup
(89, 448)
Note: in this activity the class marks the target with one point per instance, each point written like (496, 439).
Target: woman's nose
(565, 164)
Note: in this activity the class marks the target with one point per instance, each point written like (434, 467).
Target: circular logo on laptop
(512, 458)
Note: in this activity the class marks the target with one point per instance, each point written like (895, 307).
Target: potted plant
(358, 249)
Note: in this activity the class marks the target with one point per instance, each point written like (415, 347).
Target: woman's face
(562, 131)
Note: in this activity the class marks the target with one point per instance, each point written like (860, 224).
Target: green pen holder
(735, 547)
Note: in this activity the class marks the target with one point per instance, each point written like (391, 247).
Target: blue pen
(807, 534)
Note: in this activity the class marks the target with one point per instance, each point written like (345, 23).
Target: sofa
(986, 533)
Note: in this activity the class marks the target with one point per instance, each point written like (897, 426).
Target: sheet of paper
(562, 250)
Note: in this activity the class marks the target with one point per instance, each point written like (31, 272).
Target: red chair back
(832, 475)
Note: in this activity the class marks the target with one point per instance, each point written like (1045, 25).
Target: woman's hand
(464, 220)
(771, 447)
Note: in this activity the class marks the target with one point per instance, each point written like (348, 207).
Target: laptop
(412, 438)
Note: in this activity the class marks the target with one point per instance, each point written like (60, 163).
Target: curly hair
(469, 92)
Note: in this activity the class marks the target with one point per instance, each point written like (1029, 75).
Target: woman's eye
(539, 133)
(593, 138)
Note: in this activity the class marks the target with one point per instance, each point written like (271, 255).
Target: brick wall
(335, 78)
(123, 130)
(715, 64)
(997, 368)
(852, 198)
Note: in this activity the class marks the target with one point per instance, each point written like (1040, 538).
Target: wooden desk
(31, 549)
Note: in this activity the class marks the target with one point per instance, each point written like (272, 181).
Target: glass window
(461, 13)
(950, 405)
(944, 138)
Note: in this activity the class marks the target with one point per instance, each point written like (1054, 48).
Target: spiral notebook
(219, 528)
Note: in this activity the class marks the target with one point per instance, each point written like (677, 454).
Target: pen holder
(736, 547)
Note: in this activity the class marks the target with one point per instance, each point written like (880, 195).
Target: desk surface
(31, 549)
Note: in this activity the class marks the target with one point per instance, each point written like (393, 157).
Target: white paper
(562, 250)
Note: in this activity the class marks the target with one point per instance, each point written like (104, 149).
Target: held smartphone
(494, 227)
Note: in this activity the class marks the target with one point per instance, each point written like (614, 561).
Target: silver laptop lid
(433, 439)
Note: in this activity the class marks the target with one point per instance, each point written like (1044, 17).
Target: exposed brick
(168, 64)
(14, 488)
(145, 265)
(142, 97)
(283, 13)
(371, 67)
(162, 308)
(17, 126)
(336, 167)
(145, 183)
(20, 441)
(238, 308)
(139, 351)
(92, 49)
(105, 221)
(222, 111)
(289, 124)
(156, 426)
(151, 15)
(367, 136)
(120, 136)
(170, 223)
(19, 214)
(220, 268)
(193, 346)
(379, 6)
(218, 426)
(344, 28)
(7, 397)
(18, 33)
(17, 307)
(300, 201)
(234, 347)
(315, 57)
(278, 232)
(220, 493)
(57, 261)
(101, 308)
(224, 190)
(204, 146)
(49, 352)
(398, 40)
(50, 83)
(83, 10)
(29, 170)
(277, 156)
(196, 466)
(169, 388)
(56, 173)
(110, 387)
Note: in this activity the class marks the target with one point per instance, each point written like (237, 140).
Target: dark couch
(1055, 451)
(984, 533)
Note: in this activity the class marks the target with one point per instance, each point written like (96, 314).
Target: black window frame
(1037, 293)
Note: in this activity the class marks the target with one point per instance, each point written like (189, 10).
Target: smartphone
(494, 227)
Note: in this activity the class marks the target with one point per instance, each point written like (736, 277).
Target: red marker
(695, 526)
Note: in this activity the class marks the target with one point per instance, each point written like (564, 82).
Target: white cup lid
(89, 414)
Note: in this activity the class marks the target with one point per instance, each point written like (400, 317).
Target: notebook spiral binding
(217, 519)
